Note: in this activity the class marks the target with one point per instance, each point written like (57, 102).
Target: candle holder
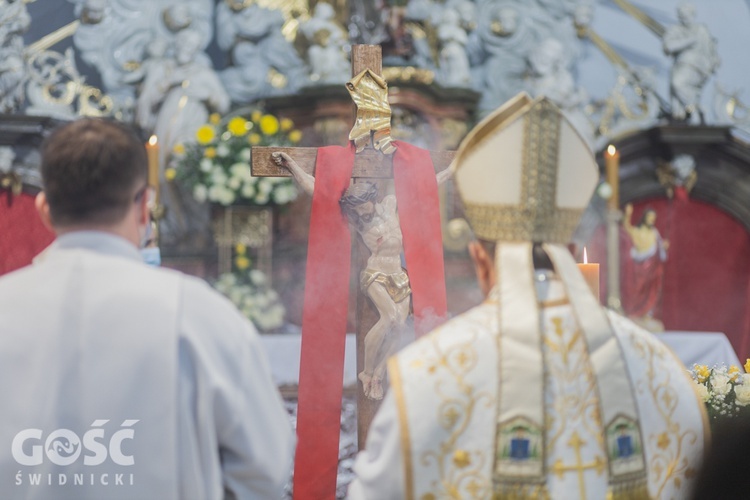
(158, 212)
(614, 302)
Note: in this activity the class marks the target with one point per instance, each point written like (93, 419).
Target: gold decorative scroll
(294, 11)
(608, 51)
(640, 16)
(53, 38)
(407, 74)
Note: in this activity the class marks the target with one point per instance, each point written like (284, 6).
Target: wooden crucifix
(383, 298)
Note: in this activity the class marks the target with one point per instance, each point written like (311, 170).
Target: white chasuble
(456, 442)
(94, 413)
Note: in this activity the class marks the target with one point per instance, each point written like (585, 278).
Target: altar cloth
(703, 348)
(283, 352)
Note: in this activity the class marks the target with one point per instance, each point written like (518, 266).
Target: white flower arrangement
(249, 291)
(216, 167)
(725, 391)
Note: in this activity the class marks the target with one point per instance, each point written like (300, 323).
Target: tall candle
(152, 150)
(612, 167)
(590, 274)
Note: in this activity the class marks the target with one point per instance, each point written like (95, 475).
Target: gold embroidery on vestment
(394, 375)
(536, 217)
(459, 469)
(668, 464)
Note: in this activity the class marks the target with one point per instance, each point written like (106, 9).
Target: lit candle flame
(585, 257)
(611, 150)
(153, 140)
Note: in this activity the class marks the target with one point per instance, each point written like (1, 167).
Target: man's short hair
(92, 170)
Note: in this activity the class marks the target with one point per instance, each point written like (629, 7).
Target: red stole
(327, 295)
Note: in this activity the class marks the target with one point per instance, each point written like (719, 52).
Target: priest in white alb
(538, 392)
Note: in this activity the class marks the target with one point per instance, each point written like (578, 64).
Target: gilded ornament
(11, 181)
(370, 94)
(409, 74)
(670, 462)
(459, 469)
(461, 459)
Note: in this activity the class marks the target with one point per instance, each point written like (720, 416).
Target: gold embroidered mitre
(525, 174)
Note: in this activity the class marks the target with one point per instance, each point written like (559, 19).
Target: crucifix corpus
(347, 185)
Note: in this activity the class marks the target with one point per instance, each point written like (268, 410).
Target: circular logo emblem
(63, 447)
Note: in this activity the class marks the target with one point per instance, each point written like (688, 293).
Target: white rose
(245, 154)
(222, 150)
(234, 169)
(227, 196)
(702, 391)
(265, 186)
(265, 301)
(246, 173)
(261, 322)
(277, 315)
(214, 193)
(261, 198)
(218, 177)
(284, 194)
(257, 277)
(248, 191)
(720, 384)
(235, 295)
(227, 278)
(742, 392)
(239, 169)
(234, 183)
(206, 165)
(200, 192)
(745, 379)
(279, 196)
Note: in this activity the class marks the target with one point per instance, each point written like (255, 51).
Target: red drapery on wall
(22, 235)
(707, 272)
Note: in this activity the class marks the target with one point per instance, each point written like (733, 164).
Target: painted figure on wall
(648, 254)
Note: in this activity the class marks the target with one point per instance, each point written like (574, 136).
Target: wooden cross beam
(369, 164)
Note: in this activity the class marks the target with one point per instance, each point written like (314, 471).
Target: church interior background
(664, 83)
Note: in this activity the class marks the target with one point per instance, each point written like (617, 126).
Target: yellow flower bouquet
(249, 291)
(725, 391)
(216, 165)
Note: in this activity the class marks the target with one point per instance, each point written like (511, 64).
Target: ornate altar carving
(246, 225)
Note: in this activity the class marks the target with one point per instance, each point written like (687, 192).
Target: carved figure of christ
(328, 173)
(383, 280)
